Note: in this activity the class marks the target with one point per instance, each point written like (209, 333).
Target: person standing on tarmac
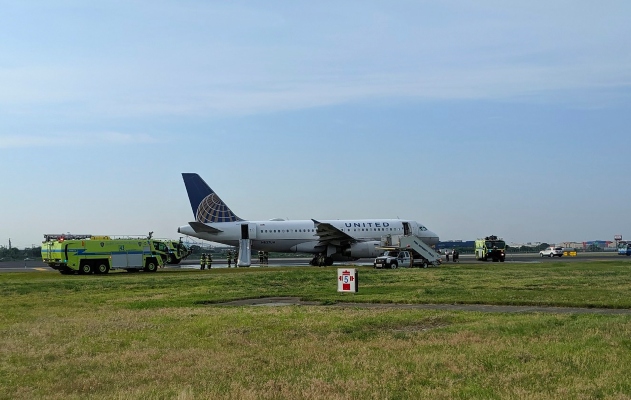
(265, 257)
(202, 261)
(456, 255)
(229, 258)
(236, 254)
(209, 260)
(260, 257)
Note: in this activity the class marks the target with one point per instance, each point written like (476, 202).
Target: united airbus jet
(327, 240)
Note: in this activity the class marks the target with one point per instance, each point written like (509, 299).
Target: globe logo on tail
(213, 209)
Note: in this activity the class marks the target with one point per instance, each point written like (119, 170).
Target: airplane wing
(201, 227)
(331, 235)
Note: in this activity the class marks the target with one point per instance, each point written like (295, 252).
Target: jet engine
(363, 250)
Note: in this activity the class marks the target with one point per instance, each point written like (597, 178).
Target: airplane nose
(432, 238)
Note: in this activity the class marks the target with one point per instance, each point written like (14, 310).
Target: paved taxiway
(35, 265)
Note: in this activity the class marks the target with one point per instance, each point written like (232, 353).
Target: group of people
(455, 255)
(205, 261)
(232, 255)
(263, 257)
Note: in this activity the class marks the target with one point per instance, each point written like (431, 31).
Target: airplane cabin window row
(343, 230)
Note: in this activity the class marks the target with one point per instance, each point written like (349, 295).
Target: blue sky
(474, 118)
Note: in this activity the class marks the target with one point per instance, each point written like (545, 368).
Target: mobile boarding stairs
(413, 244)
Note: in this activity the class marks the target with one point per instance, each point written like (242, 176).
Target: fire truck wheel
(102, 268)
(151, 266)
(85, 268)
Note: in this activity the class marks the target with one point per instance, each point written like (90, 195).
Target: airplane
(327, 240)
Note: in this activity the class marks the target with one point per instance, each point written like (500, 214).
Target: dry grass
(313, 353)
(76, 338)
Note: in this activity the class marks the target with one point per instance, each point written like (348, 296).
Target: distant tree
(593, 247)
(36, 251)
(543, 246)
(195, 249)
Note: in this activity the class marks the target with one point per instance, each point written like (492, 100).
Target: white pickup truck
(395, 258)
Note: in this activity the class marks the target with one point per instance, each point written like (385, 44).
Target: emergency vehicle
(394, 258)
(491, 247)
(176, 251)
(86, 254)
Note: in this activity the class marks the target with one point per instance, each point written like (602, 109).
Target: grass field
(163, 336)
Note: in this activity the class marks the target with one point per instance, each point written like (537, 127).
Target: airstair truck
(406, 251)
(86, 254)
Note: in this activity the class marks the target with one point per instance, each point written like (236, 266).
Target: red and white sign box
(347, 280)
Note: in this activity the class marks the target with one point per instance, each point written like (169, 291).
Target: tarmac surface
(38, 265)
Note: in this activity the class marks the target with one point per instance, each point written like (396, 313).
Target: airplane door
(406, 228)
(248, 231)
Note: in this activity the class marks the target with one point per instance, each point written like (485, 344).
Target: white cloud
(248, 59)
(76, 139)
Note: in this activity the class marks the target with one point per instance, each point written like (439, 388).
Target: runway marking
(41, 269)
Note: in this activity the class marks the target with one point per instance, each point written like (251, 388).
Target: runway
(39, 266)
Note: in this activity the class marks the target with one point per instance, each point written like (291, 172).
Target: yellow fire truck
(86, 254)
(176, 251)
(490, 247)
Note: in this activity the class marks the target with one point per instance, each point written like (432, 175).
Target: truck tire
(394, 265)
(85, 268)
(151, 265)
(102, 267)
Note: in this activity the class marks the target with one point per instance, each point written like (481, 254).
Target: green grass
(161, 336)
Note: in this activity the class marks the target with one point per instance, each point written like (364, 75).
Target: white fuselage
(300, 235)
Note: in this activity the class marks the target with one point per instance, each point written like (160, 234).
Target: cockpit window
(422, 228)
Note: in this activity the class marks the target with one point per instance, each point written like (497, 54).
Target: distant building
(450, 244)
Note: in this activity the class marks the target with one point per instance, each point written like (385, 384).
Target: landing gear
(321, 261)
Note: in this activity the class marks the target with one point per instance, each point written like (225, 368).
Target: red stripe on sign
(346, 286)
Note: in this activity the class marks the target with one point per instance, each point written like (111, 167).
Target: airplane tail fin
(206, 205)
